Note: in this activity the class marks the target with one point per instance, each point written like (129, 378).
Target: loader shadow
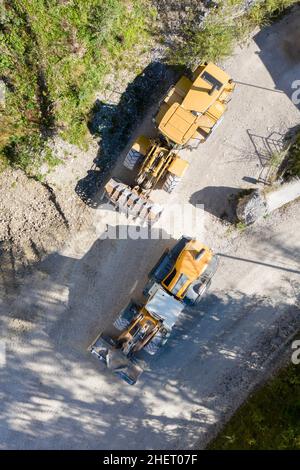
(220, 201)
(192, 335)
(58, 397)
(114, 123)
(65, 411)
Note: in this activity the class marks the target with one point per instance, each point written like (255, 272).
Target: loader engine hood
(164, 306)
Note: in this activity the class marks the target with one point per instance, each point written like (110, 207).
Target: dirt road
(54, 395)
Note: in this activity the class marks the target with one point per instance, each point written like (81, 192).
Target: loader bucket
(132, 203)
(104, 349)
(123, 367)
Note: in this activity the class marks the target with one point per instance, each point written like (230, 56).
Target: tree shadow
(276, 50)
(113, 124)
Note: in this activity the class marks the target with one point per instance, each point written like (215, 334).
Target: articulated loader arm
(156, 163)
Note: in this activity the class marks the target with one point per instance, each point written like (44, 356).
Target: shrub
(293, 164)
(222, 30)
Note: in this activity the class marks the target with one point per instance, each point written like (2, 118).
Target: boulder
(251, 207)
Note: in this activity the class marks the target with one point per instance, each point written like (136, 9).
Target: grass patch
(223, 28)
(293, 159)
(276, 159)
(241, 226)
(270, 419)
(54, 56)
(25, 152)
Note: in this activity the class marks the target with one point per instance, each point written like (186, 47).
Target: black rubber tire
(147, 185)
(132, 159)
(120, 323)
(171, 182)
(150, 348)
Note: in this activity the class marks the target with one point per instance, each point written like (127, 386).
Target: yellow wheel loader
(180, 277)
(192, 109)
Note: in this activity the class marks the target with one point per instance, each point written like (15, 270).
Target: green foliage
(214, 42)
(51, 160)
(25, 152)
(222, 30)
(270, 419)
(264, 12)
(241, 226)
(293, 167)
(54, 56)
(276, 158)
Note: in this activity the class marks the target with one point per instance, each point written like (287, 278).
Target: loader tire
(120, 323)
(151, 348)
(147, 185)
(132, 159)
(171, 183)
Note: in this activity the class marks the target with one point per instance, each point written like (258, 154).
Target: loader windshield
(180, 285)
(170, 277)
(181, 282)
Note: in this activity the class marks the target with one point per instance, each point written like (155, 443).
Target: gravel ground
(54, 395)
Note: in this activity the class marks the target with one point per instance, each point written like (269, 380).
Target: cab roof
(187, 263)
(199, 98)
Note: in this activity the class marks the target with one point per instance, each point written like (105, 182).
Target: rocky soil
(35, 218)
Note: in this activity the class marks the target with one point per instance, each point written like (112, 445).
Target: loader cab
(179, 286)
(189, 266)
